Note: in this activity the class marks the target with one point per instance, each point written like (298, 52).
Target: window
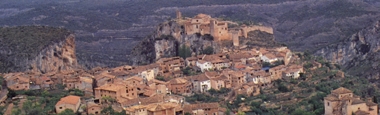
(60, 107)
(197, 21)
(358, 108)
(328, 103)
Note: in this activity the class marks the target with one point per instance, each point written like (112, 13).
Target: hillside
(30, 47)
(358, 54)
(300, 24)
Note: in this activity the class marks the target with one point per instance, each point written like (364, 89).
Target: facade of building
(179, 86)
(342, 101)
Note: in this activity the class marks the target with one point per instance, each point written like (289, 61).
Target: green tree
(240, 113)
(16, 111)
(108, 99)
(67, 112)
(208, 50)
(109, 111)
(184, 51)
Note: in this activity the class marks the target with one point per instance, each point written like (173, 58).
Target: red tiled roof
(71, 99)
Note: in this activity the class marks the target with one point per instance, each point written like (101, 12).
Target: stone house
(269, 57)
(241, 57)
(104, 78)
(248, 89)
(46, 82)
(170, 64)
(165, 108)
(17, 81)
(148, 72)
(71, 82)
(342, 101)
(293, 71)
(135, 81)
(202, 109)
(201, 83)
(260, 77)
(116, 91)
(179, 86)
(276, 72)
(86, 84)
(236, 78)
(218, 82)
(68, 102)
(191, 61)
(220, 64)
(93, 108)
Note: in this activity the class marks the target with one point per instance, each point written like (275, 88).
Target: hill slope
(36, 48)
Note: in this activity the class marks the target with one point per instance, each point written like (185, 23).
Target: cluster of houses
(136, 90)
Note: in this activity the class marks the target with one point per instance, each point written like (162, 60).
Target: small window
(60, 107)
(358, 108)
(328, 103)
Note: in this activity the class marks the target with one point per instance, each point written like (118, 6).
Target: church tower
(179, 15)
(214, 29)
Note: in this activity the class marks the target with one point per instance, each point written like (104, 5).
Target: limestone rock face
(56, 57)
(165, 43)
(38, 49)
(360, 54)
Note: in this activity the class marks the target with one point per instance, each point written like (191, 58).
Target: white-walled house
(204, 65)
(293, 72)
(201, 83)
(269, 57)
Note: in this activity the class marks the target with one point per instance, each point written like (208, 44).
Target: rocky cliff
(165, 42)
(358, 54)
(36, 48)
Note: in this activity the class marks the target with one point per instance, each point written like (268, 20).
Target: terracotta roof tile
(331, 98)
(178, 81)
(71, 99)
(111, 87)
(341, 90)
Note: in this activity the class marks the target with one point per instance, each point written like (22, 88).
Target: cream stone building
(342, 101)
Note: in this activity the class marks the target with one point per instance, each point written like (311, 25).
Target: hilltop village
(164, 87)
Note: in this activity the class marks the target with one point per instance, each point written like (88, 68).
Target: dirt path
(9, 109)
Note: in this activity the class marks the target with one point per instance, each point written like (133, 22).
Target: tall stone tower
(179, 15)
(214, 29)
(235, 38)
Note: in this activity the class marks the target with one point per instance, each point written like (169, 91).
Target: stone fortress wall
(205, 24)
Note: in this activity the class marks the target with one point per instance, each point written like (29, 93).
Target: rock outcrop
(37, 49)
(56, 57)
(360, 54)
(165, 43)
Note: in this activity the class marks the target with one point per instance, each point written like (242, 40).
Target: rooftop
(341, 90)
(71, 99)
(111, 87)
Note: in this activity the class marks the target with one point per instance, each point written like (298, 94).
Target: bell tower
(179, 15)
